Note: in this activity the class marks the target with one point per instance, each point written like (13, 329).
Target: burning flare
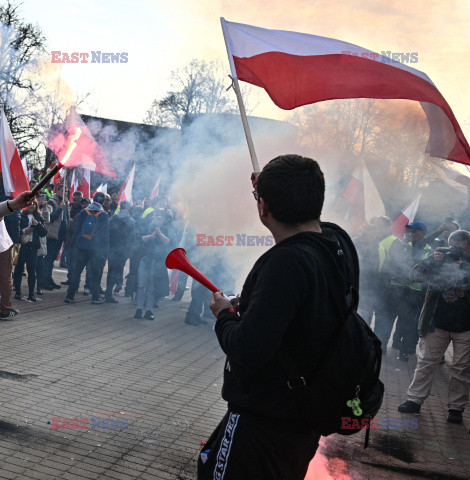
(73, 138)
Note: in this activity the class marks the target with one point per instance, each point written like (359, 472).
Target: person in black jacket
(285, 310)
(91, 231)
(32, 226)
(121, 244)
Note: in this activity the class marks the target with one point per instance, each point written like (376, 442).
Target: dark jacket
(285, 301)
(100, 241)
(435, 274)
(121, 234)
(12, 221)
(40, 229)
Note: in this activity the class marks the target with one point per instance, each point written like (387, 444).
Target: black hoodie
(285, 300)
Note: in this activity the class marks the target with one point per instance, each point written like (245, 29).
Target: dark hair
(99, 197)
(293, 188)
(77, 193)
(125, 205)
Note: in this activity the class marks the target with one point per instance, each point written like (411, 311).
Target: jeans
(53, 248)
(29, 255)
(40, 271)
(146, 284)
(6, 284)
(81, 258)
(116, 264)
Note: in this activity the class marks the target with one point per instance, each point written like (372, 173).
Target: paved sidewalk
(155, 386)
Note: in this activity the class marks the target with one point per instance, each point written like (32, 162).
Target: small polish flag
(73, 186)
(125, 194)
(406, 217)
(155, 189)
(84, 186)
(364, 197)
(14, 176)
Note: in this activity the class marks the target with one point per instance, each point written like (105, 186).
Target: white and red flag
(86, 153)
(14, 176)
(155, 189)
(298, 69)
(125, 194)
(84, 185)
(361, 192)
(406, 217)
(73, 186)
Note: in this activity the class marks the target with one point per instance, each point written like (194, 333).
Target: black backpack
(342, 392)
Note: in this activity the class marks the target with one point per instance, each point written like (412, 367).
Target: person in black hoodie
(285, 310)
(32, 227)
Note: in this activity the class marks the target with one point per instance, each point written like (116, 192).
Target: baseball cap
(418, 226)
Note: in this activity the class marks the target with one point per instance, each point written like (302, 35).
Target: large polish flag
(298, 69)
(125, 194)
(84, 185)
(361, 192)
(454, 179)
(14, 176)
(406, 217)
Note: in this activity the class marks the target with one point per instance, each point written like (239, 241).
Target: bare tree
(199, 87)
(21, 46)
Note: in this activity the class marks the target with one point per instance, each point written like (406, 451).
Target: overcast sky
(161, 36)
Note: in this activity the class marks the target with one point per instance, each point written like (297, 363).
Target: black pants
(404, 303)
(200, 301)
(80, 259)
(243, 447)
(29, 255)
(116, 264)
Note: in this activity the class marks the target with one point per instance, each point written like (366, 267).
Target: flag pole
(241, 105)
(246, 126)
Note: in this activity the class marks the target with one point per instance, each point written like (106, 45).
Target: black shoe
(97, 301)
(62, 265)
(69, 299)
(138, 314)
(149, 315)
(455, 416)
(110, 300)
(12, 313)
(32, 298)
(409, 407)
(54, 285)
(39, 291)
(18, 296)
(194, 320)
(48, 287)
(65, 283)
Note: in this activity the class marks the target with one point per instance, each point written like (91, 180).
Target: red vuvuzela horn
(178, 260)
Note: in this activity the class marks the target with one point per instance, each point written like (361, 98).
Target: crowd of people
(86, 234)
(421, 286)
